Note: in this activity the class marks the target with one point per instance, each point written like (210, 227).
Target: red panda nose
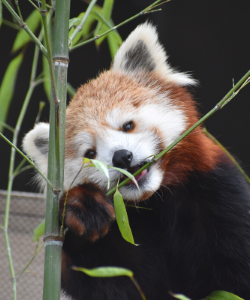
(122, 159)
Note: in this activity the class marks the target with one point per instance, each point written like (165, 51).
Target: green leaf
(101, 167)
(113, 46)
(71, 91)
(129, 175)
(180, 296)
(74, 21)
(39, 231)
(222, 295)
(87, 26)
(101, 27)
(22, 37)
(46, 76)
(105, 271)
(122, 218)
(8, 87)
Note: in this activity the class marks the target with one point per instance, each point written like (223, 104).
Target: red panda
(195, 238)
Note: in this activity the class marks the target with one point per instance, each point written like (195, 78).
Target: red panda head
(124, 117)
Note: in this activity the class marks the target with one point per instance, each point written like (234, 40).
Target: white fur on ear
(36, 145)
(142, 51)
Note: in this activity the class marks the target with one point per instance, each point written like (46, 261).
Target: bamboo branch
(11, 24)
(229, 96)
(143, 12)
(84, 19)
(37, 250)
(227, 153)
(19, 11)
(25, 27)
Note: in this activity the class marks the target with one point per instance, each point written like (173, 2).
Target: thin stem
(103, 20)
(47, 5)
(227, 153)
(37, 250)
(11, 24)
(7, 126)
(143, 12)
(41, 107)
(19, 167)
(36, 7)
(138, 288)
(84, 19)
(25, 27)
(12, 272)
(232, 93)
(19, 11)
(22, 170)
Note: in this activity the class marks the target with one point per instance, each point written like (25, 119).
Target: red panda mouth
(137, 177)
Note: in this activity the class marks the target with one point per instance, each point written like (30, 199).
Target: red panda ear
(142, 52)
(36, 146)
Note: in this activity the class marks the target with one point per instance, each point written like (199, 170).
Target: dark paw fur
(88, 211)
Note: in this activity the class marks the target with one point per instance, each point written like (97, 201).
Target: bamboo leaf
(7, 87)
(222, 295)
(22, 37)
(122, 218)
(87, 26)
(101, 27)
(105, 271)
(71, 91)
(129, 175)
(113, 46)
(74, 21)
(180, 296)
(46, 76)
(101, 167)
(39, 231)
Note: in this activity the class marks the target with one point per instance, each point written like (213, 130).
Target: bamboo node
(218, 106)
(53, 240)
(43, 12)
(55, 191)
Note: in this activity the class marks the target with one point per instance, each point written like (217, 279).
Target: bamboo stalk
(58, 70)
(229, 96)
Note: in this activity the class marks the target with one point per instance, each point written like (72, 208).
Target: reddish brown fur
(113, 89)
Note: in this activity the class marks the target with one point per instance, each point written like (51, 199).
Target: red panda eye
(90, 154)
(128, 126)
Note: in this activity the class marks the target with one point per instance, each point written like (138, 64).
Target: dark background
(209, 38)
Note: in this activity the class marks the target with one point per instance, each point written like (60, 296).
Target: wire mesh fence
(27, 210)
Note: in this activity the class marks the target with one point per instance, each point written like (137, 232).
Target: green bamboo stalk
(58, 71)
(229, 96)
(143, 12)
(84, 19)
(25, 27)
(11, 167)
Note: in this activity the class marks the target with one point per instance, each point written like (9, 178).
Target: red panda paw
(88, 211)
